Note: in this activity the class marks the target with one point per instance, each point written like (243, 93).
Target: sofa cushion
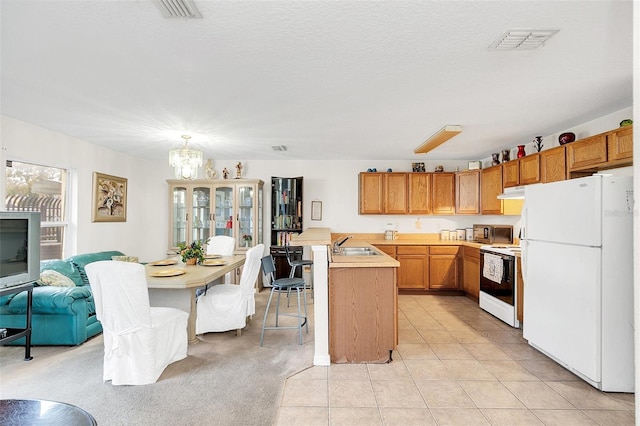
(55, 278)
(65, 267)
(51, 300)
(82, 260)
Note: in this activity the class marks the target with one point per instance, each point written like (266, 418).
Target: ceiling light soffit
(185, 161)
(438, 138)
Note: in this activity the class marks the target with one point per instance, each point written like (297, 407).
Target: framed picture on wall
(316, 210)
(109, 202)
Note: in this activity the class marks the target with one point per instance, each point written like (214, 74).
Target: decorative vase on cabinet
(521, 152)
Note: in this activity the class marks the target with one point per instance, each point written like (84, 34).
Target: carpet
(225, 379)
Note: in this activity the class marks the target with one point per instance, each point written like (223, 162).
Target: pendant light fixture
(185, 161)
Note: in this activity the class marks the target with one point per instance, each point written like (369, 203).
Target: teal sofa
(64, 316)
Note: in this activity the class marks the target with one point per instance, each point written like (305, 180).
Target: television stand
(17, 333)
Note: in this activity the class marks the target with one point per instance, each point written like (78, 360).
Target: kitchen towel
(492, 268)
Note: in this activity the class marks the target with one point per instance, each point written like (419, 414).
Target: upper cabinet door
(553, 165)
(179, 216)
(419, 193)
(586, 153)
(529, 169)
(510, 174)
(468, 192)
(370, 193)
(620, 144)
(395, 193)
(443, 193)
(491, 184)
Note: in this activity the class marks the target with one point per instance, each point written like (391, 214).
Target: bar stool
(283, 285)
(294, 264)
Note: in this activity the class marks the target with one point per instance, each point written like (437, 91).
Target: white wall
(144, 234)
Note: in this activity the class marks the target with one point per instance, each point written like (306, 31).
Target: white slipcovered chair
(226, 307)
(139, 341)
(221, 244)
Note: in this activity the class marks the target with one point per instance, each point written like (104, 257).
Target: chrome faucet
(338, 243)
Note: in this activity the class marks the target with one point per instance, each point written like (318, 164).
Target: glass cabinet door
(245, 216)
(224, 211)
(201, 214)
(179, 217)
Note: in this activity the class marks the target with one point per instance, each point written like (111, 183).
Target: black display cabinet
(286, 220)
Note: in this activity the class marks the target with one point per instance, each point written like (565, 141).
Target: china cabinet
(200, 209)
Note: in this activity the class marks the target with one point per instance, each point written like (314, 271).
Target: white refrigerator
(577, 250)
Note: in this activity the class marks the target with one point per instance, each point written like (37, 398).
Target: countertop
(381, 260)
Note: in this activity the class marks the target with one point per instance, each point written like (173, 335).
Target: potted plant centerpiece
(191, 253)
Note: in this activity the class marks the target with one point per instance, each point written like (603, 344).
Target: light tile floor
(455, 365)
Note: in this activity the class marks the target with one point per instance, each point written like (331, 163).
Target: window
(34, 188)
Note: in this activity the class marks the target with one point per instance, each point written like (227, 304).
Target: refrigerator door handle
(523, 259)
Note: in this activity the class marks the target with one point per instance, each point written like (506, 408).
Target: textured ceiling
(329, 80)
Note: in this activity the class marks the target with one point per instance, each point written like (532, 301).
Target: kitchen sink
(358, 251)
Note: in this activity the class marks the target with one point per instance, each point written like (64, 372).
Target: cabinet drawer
(412, 250)
(390, 250)
(443, 250)
(472, 252)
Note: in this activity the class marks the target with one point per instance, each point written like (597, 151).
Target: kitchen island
(363, 305)
(319, 239)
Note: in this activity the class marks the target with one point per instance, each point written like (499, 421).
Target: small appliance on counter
(493, 234)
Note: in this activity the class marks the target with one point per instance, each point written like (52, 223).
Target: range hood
(513, 193)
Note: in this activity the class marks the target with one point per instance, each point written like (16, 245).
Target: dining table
(172, 283)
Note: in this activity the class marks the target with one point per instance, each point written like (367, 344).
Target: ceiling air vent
(279, 148)
(178, 9)
(522, 39)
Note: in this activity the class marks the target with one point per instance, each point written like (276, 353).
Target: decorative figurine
(439, 169)
(505, 155)
(538, 143)
(239, 170)
(495, 158)
(211, 174)
(225, 173)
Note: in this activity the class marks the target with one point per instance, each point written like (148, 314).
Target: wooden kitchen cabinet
(382, 193)
(510, 174)
(490, 188)
(553, 165)
(468, 192)
(386, 249)
(443, 193)
(471, 271)
(395, 193)
(363, 314)
(443, 267)
(419, 193)
(587, 153)
(529, 166)
(413, 272)
(620, 145)
(370, 193)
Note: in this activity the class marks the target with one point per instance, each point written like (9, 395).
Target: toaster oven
(493, 234)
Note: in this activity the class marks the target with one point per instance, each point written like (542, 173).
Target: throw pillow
(55, 278)
(133, 259)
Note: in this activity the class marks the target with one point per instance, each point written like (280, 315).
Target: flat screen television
(19, 248)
